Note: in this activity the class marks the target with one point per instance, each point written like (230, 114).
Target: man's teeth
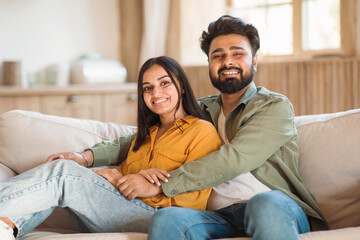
(228, 73)
(160, 101)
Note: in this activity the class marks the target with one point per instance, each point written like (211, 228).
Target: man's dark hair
(227, 25)
(146, 118)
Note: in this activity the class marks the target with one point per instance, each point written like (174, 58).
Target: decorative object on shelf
(33, 79)
(91, 68)
(11, 73)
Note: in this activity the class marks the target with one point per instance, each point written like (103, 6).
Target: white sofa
(329, 164)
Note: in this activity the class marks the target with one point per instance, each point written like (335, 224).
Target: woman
(170, 133)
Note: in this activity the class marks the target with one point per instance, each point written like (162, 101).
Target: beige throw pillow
(330, 164)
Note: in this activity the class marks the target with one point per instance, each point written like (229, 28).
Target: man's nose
(228, 61)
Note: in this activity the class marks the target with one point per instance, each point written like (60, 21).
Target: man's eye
(238, 54)
(217, 56)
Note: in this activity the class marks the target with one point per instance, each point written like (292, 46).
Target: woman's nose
(156, 91)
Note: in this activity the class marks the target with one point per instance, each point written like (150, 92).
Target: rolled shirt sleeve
(111, 152)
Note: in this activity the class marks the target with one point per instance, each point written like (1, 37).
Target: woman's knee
(63, 166)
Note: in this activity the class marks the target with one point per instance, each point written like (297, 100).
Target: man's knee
(266, 203)
(161, 220)
(165, 216)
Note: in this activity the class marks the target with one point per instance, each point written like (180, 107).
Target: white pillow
(330, 164)
(28, 138)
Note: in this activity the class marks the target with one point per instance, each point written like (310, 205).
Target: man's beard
(232, 85)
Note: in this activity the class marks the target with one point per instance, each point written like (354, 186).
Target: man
(258, 191)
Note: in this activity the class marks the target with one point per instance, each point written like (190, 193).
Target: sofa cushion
(28, 138)
(330, 164)
(46, 235)
(5, 172)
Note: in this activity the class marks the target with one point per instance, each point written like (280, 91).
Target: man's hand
(112, 175)
(135, 185)
(75, 156)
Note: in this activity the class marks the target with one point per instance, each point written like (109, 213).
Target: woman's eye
(165, 83)
(146, 89)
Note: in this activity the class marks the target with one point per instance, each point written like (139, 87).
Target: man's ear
(255, 62)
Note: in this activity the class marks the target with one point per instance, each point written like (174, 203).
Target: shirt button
(173, 191)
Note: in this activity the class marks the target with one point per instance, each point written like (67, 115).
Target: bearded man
(257, 188)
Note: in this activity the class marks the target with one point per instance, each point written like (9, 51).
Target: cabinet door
(29, 103)
(77, 106)
(121, 108)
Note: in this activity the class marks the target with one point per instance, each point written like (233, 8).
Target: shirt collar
(187, 120)
(249, 94)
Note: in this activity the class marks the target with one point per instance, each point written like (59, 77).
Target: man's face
(231, 63)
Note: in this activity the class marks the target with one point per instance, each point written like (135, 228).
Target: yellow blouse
(188, 140)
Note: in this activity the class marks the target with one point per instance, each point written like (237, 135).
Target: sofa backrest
(329, 164)
(329, 152)
(27, 138)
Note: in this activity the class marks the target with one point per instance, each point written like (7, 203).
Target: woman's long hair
(146, 118)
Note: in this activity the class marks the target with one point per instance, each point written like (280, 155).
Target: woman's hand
(112, 175)
(153, 175)
(85, 159)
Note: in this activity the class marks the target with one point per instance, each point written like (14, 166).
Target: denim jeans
(270, 215)
(93, 203)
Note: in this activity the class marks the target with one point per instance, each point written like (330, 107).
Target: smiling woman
(166, 96)
(161, 96)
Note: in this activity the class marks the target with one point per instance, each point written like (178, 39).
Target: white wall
(40, 33)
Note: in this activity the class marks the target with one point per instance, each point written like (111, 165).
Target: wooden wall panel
(313, 86)
(200, 81)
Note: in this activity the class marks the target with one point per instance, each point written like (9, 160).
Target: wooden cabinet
(74, 105)
(121, 106)
(31, 103)
(112, 103)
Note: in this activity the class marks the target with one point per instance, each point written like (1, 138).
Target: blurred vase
(11, 73)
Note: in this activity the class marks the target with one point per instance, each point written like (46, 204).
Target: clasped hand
(132, 186)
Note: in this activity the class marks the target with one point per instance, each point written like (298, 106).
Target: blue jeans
(269, 215)
(93, 203)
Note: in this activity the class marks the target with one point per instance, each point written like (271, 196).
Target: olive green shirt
(262, 139)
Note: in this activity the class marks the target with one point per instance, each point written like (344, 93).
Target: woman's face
(160, 94)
